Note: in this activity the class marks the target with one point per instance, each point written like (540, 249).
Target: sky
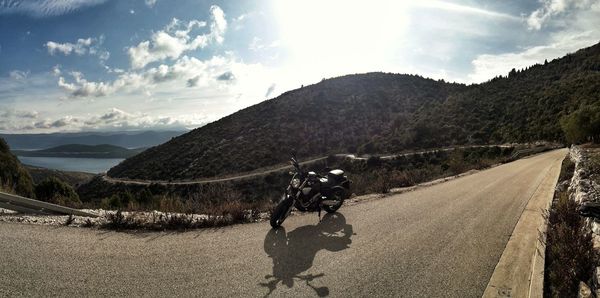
(110, 65)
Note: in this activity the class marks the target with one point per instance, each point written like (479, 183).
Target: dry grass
(227, 213)
(570, 256)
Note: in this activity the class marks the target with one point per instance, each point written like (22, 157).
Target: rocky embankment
(584, 188)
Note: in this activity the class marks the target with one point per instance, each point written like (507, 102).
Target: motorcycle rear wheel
(281, 212)
(338, 195)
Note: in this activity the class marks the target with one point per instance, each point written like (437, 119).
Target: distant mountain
(123, 139)
(78, 150)
(379, 113)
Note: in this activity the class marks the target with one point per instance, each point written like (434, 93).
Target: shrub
(582, 125)
(69, 220)
(373, 161)
(177, 222)
(570, 256)
(566, 170)
(118, 221)
(382, 182)
(55, 191)
(113, 202)
(88, 223)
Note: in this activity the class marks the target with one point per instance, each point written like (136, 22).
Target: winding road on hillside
(438, 241)
(262, 172)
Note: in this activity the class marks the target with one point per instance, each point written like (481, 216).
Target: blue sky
(81, 65)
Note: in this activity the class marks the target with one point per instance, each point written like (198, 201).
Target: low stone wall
(584, 188)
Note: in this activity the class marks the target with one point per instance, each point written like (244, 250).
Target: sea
(88, 165)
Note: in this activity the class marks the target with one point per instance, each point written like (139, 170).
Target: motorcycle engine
(308, 200)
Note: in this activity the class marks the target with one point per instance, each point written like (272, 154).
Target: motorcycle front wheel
(281, 212)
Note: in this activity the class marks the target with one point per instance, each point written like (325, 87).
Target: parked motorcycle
(309, 192)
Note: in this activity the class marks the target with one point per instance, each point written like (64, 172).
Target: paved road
(438, 241)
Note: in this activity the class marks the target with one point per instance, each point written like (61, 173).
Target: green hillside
(13, 176)
(379, 113)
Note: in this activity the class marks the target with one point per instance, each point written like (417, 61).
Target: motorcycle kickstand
(319, 214)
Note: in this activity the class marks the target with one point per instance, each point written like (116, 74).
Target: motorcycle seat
(337, 173)
(335, 177)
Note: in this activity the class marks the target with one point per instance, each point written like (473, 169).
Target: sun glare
(327, 38)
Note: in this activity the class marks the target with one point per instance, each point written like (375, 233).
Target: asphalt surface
(439, 241)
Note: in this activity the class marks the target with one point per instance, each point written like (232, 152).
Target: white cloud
(114, 119)
(81, 47)
(270, 90)
(56, 70)
(45, 8)
(238, 23)
(193, 82)
(257, 44)
(465, 9)
(573, 28)
(12, 113)
(186, 71)
(82, 88)
(227, 76)
(488, 66)
(175, 39)
(104, 55)
(117, 119)
(553, 8)
(18, 75)
(150, 3)
(218, 24)
(58, 123)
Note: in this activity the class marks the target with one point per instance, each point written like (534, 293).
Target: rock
(596, 278)
(584, 291)
(596, 241)
(595, 227)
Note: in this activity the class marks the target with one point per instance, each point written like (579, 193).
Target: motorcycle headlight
(295, 182)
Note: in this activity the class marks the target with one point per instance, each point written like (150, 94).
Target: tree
(582, 125)
(13, 176)
(55, 191)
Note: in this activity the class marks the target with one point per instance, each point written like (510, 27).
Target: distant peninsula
(81, 151)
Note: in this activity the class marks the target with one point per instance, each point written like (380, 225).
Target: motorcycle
(309, 192)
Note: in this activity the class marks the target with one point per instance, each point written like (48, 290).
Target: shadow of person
(294, 252)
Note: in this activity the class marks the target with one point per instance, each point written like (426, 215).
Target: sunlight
(327, 38)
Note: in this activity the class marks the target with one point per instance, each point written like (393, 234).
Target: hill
(13, 176)
(379, 113)
(78, 150)
(74, 179)
(123, 139)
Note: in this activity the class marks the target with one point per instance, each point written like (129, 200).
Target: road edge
(520, 270)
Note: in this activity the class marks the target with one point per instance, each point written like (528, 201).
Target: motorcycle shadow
(294, 252)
